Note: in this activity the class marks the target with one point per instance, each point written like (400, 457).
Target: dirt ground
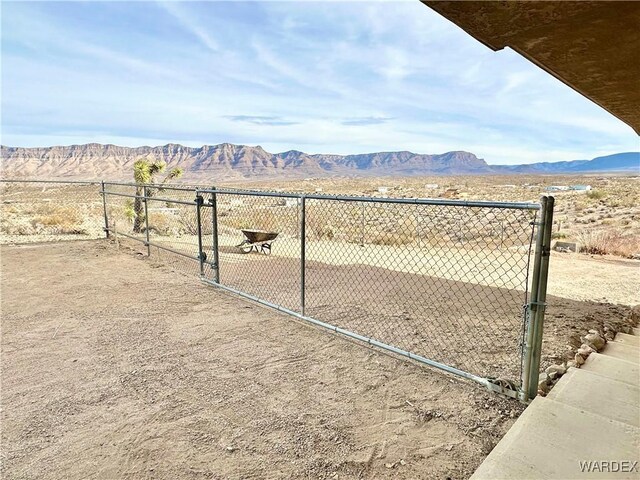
(115, 366)
(119, 366)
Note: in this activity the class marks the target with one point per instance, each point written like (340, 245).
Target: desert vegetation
(145, 172)
(39, 212)
(603, 220)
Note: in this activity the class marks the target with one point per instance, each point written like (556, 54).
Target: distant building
(582, 188)
(383, 189)
(557, 188)
(171, 210)
(431, 186)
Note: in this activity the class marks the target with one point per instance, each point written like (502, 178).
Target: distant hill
(95, 161)
(628, 161)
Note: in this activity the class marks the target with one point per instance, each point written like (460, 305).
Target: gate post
(214, 232)
(537, 305)
(542, 298)
(104, 208)
(146, 220)
(303, 244)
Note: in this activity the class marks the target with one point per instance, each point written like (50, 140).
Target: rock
(566, 247)
(572, 364)
(635, 313)
(595, 341)
(626, 329)
(609, 336)
(555, 371)
(579, 359)
(585, 350)
(543, 383)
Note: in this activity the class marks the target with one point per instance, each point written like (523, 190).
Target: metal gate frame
(534, 310)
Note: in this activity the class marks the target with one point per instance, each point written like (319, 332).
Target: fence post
(538, 324)
(533, 300)
(536, 307)
(214, 232)
(201, 255)
(104, 207)
(303, 245)
(146, 220)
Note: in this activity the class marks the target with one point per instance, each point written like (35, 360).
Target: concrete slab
(551, 438)
(594, 393)
(620, 350)
(627, 339)
(614, 368)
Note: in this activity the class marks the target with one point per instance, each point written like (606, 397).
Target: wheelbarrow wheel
(245, 247)
(266, 248)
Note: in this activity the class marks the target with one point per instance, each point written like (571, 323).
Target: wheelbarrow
(257, 240)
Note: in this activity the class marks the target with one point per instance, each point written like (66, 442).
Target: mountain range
(96, 161)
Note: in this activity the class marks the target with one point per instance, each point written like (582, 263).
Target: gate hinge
(537, 304)
(504, 387)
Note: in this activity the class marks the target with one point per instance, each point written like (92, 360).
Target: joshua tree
(144, 172)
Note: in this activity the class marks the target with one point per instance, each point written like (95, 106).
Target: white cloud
(339, 78)
(190, 24)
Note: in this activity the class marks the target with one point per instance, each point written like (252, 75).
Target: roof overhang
(592, 46)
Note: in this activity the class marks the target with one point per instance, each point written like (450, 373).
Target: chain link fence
(444, 282)
(163, 217)
(453, 284)
(447, 282)
(48, 211)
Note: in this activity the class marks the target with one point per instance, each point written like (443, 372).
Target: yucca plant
(144, 172)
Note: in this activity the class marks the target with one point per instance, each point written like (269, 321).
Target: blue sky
(332, 77)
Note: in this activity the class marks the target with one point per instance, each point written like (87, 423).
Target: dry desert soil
(119, 366)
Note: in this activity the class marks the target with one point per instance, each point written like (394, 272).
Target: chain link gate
(451, 284)
(444, 282)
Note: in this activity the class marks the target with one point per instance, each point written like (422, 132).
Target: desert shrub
(188, 221)
(61, 220)
(392, 239)
(558, 235)
(163, 224)
(129, 211)
(14, 225)
(259, 218)
(596, 194)
(327, 232)
(608, 242)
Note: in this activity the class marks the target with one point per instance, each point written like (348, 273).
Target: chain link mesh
(444, 282)
(50, 211)
(251, 261)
